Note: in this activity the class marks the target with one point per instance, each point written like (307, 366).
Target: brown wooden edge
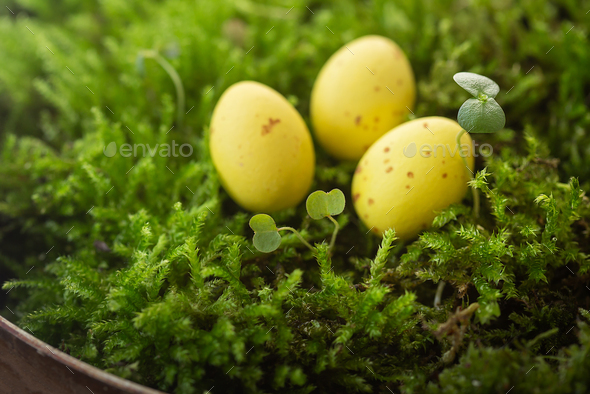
(28, 365)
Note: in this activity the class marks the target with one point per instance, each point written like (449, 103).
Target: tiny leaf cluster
(319, 205)
(481, 114)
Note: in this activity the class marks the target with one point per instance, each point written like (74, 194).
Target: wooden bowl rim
(73, 363)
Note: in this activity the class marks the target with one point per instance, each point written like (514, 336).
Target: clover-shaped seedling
(481, 114)
(266, 234)
(321, 205)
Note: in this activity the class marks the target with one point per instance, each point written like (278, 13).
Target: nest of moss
(145, 268)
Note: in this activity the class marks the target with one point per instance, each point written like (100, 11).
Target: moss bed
(145, 268)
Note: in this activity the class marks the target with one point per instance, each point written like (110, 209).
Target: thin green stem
(474, 191)
(175, 79)
(475, 194)
(438, 295)
(298, 236)
(459, 150)
(336, 228)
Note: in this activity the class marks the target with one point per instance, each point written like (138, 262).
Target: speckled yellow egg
(410, 173)
(261, 148)
(364, 90)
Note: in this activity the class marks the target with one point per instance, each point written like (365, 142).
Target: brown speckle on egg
(358, 170)
(357, 120)
(399, 82)
(410, 174)
(371, 201)
(389, 169)
(377, 88)
(386, 149)
(376, 119)
(444, 175)
(407, 186)
(356, 196)
(385, 161)
(268, 127)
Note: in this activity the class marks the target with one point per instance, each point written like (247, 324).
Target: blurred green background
(99, 42)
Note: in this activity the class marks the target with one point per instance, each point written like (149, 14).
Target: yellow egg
(261, 148)
(409, 173)
(364, 90)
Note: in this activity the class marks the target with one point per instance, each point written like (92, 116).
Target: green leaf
(477, 84)
(477, 116)
(320, 204)
(267, 241)
(266, 236)
(262, 222)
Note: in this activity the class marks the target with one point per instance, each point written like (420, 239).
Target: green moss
(145, 268)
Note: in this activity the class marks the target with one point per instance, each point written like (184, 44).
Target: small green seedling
(266, 234)
(154, 54)
(481, 114)
(319, 205)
